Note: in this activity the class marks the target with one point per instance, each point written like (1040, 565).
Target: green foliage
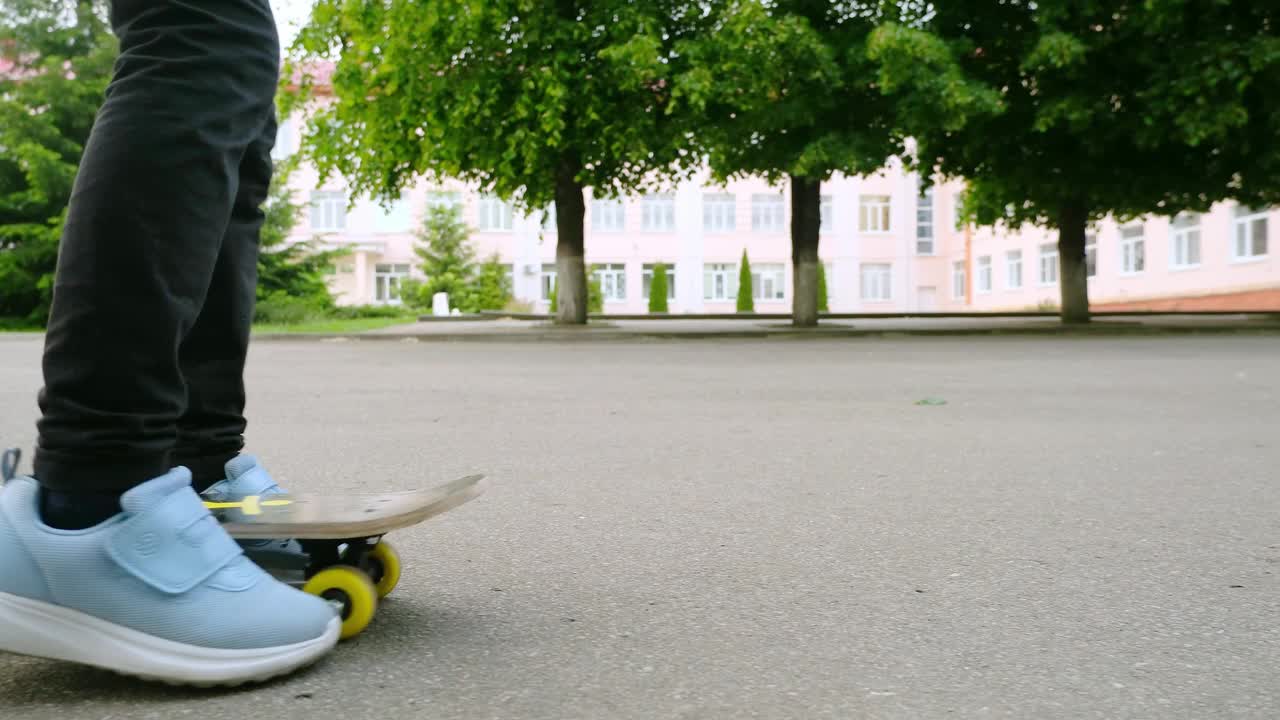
(281, 308)
(658, 289)
(822, 289)
(595, 292)
(746, 301)
(365, 312)
(61, 54)
(444, 248)
(492, 286)
(294, 269)
(555, 295)
(1070, 112)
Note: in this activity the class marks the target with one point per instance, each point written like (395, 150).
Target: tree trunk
(806, 218)
(571, 278)
(1073, 276)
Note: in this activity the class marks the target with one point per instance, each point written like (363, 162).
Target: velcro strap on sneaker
(173, 546)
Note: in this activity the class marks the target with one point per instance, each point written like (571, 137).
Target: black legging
(154, 293)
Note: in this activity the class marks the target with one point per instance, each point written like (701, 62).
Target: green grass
(336, 326)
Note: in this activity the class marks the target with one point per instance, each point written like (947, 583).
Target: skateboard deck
(333, 517)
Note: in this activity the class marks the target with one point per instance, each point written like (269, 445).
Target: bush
(355, 312)
(822, 289)
(658, 290)
(492, 287)
(746, 303)
(280, 308)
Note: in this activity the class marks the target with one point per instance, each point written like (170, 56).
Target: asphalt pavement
(918, 527)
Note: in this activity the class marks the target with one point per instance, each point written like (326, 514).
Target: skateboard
(347, 561)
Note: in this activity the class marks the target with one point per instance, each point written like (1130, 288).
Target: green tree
(658, 289)
(746, 299)
(492, 289)
(1088, 110)
(595, 292)
(532, 102)
(290, 269)
(555, 294)
(783, 90)
(444, 249)
(55, 63)
(822, 289)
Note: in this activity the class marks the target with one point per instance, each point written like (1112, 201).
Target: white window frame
(328, 211)
(826, 214)
(608, 215)
(646, 280)
(875, 213)
(1013, 269)
(985, 274)
(613, 281)
(444, 199)
(1048, 267)
(727, 274)
(496, 215)
(387, 279)
(875, 282)
(719, 212)
(1184, 237)
(1090, 251)
(959, 280)
(1133, 250)
(926, 244)
(769, 213)
(770, 276)
(658, 213)
(549, 218)
(1244, 234)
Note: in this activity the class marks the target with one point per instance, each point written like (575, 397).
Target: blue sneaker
(246, 476)
(159, 591)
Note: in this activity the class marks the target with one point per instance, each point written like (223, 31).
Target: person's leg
(193, 88)
(158, 590)
(212, 356)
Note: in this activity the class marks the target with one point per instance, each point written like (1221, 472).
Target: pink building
(886, 248)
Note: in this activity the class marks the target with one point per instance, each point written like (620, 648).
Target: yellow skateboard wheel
(353, 589)
(384, 568)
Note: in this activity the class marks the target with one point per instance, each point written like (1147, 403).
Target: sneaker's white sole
(31, 627)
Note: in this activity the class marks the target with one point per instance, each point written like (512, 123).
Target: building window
(1251, 233)
(958, 280)
(720, 281)
(718, 212)
(328, 211)
(444, 199)
(1133, 250)
(1185, 242)
(386, 283)
(495, 214)
(1090, 255)
(873, 213)
(768, 282)
(1049, 264)
(646, 280)
(984, 274)
(608, 216)
(548, 281)
(394, 218)
(613, 281)
(1013, 269)
(960, 211)
(826, 214)
(924, 222)
(658, 213)
(877, 282)
(768, 213)
(549, 218)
